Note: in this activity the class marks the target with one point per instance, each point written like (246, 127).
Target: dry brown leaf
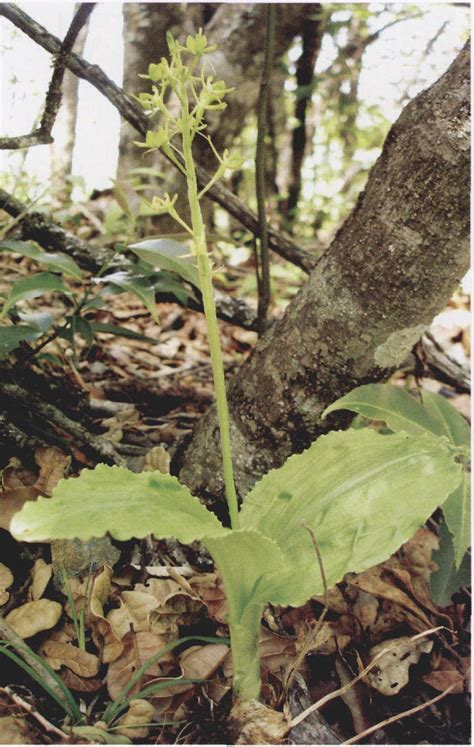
(103, 633)
(178, 609)
(82, 685)
(391, 673)
(157, 458)
(53, 465)
(33, 617)
(14, 730)
(16, 476)
(276, 651)
(160, 588)
(41, 573)
(139, 712)
(12, 501)
(208, 586)
(449, 674)
(383, 582)
(365, 609)
(137, 605)
(80, 662)
(6, 580)
(137, 648)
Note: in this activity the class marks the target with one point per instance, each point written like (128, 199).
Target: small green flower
(197, 44)
(160, 71)
(162, 205)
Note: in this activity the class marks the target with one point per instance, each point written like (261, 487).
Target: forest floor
(95, 627)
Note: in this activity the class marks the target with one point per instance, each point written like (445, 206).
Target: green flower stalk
(196, 94)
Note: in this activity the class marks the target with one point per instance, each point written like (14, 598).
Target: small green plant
(362, 493)
(83, 297)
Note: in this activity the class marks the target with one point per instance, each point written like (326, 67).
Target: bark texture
(391, 267)
(64, 132)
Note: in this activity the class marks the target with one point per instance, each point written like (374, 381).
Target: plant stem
(204, 268)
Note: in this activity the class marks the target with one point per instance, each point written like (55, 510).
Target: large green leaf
(115, 500)
(57, 261)
(168, 255)
(362, 493)
(448, 579)
(434, 415)
(395, 406)
(32, 287)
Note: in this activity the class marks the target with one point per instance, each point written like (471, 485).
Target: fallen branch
(34, 713)
(280, 243)
(99, 446)
(39, 226)
(42, 135)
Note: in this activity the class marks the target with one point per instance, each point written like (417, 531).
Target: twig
(33, 712)
(99, 445)
(262, 255)
(316, 630)
(399, 716)
(279, 242)
(341, 690)
(42, 135)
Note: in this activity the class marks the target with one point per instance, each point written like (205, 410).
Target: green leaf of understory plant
(11, 336)
(168, 255)
(448, 579)
(434, 416)
(32, 287)
(363, 494)
(139, 285)
(118, 331)
(57, 262)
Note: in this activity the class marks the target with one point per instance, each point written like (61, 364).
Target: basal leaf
(457, 512)
(395, 406)
(32, 287)
(447, 580)
(57, 261)
(168, 255)
(362, 493)
(115, 500)
(433, 415)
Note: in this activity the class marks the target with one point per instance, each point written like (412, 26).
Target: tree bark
(64, 132)
(391, 267)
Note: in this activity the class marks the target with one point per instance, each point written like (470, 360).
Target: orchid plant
(362, 493)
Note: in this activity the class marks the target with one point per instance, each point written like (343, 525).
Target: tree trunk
(64, 131)
(391, 267)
